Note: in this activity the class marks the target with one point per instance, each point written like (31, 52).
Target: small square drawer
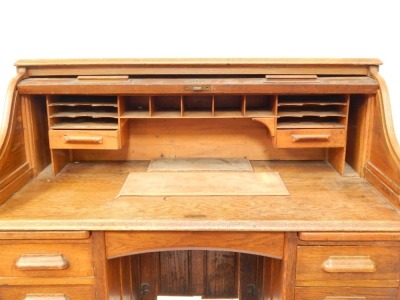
(85, 139)
(310, 138)
(348, 266)
(50, 292)
(343, 293)
(46, 259)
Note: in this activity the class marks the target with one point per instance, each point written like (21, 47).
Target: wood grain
(264, 243)
(83, 292)
(351, 293)
(320, 200)
(46, 67)
(78, 256)
(168, 86)
(195, 183)
(383, 272)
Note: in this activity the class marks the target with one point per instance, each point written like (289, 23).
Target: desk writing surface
(83, 196)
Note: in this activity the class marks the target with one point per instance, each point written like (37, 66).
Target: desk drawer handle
(310, 137)
(351, 264)
(46, 297)
(38, 262)
(68, 139)
(345, 298)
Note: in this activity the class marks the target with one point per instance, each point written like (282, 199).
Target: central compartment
(210, 274)
(244, 265)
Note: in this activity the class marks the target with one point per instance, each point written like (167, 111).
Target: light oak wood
(217, 138)
(349, 236)
(199, 164)
(345, 293)
(349, 264)
(177, 86)
(13, 163)
(44, 235)
(208, 183)
(33, 207)
(42, 261)
(85, 139)
(311, 138)
(46, 297)
(377, 266)
(268, 244)
(42, 292)
(334, 237)
(46, 67)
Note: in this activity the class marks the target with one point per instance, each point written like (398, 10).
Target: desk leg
(289, 266)
(100, 264)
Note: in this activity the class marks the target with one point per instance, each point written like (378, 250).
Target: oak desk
(75, 129)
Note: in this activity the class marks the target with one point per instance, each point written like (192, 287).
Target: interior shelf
(312, 111)
(86, 125)
(309, 124)
(82, 112)
(96, 103)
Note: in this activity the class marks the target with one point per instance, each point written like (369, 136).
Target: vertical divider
(182, 105)
(49, 109)
(274, 107)
(345, 109)
(244, 105)
(151, 106)
(121, 107)
(212, 106)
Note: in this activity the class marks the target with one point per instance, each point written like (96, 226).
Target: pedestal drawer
(375, 266)
(62, 292)
(343, 293)
(46, 260)
(310, 138)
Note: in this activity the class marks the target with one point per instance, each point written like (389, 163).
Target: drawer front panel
(56, 292)
(84, 139)
(46, 260)
(348, 265)
(343, 293)
(311, 138)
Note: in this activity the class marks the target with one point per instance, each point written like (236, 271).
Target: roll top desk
(74, 130)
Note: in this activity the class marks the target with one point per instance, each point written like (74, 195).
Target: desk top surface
(83, 197)
(199, 61)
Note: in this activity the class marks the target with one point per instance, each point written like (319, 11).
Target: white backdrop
(206, 28)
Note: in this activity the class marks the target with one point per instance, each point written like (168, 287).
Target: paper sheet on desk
(203, 184)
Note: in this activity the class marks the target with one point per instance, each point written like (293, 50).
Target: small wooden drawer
(379, 266)
(46, 260)
(345, 293)
(85, 139)
(51, 292)
(310, 138)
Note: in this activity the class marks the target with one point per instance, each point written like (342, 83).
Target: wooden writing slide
(203, 184)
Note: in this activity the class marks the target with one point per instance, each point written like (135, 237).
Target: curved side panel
(383, 168)
(14, 168)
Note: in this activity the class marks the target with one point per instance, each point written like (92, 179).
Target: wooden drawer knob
(352, 264)
(46, 297)
(38, 262)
